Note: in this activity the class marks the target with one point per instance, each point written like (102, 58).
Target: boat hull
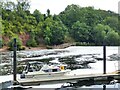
(45, 74)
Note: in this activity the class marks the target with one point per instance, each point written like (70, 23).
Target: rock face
(5, 57)
(114, 57)
(77, 61)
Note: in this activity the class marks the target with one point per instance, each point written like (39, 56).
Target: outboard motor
(22, 76)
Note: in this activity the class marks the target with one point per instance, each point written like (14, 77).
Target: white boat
(37, 70)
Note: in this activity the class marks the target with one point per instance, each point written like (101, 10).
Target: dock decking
(66, 78)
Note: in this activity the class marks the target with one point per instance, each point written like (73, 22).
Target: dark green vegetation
(87, 26)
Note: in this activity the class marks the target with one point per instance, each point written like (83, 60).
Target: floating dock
(66, 78)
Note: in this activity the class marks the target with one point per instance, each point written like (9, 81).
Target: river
(77, 50)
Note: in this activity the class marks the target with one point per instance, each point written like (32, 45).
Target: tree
(80, 32)
(39, 33)
(113, 38)
(54, 32)
(0, 25)
(58, 33)
(99, 34)
(48, 13)
(39, 17)
(48, 35)
(112, 22)
(91, 16)
(10, 6)
(75, 23)
(1, 43)
(71, 15)
(1, 5)
(32, 20)
(23, 5)
(31, 43)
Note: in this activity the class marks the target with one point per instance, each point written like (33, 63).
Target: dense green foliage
(75, 24)
(1, 44)
(90, 25)
(31, 43)
(18, 44)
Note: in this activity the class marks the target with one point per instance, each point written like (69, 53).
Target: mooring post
(104, 59)
(104, 87)
(14, 63)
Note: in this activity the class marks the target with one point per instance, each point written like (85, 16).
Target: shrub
(22, 48)
(31, 43)
(1, 44)
(18, 43)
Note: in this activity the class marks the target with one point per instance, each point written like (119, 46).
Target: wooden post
(104, 59)
(104, 87)
(14, 63)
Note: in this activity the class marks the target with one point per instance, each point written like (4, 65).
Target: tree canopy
(75, 23)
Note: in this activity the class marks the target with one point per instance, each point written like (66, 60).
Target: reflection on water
(91, 85)
(104, 87)
(80, 85)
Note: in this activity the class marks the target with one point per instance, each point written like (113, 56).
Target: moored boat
(39, 70)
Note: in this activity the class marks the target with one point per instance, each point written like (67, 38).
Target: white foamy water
(96, 68)
(75, 50)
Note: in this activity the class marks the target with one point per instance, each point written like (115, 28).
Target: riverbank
(41, 47)
(4, 49)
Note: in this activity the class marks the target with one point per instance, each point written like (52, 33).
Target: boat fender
(61, 67)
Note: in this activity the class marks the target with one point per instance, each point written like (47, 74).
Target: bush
(1, 44)
(31, 43)
(18, 43)
(22, 48)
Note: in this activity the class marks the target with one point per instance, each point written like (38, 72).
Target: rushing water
(92, 50)
(77, 50)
